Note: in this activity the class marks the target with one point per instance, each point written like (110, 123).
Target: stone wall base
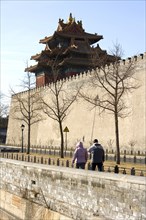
(16, 208)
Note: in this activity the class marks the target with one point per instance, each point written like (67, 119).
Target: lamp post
(22, 129)
(96, 100)
(66, 130)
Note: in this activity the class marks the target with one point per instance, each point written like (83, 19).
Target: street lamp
(22, 129)
(66, 130)
(96, 99)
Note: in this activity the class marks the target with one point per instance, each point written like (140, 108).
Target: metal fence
(45, 148)
(110, 157)
(68, 163)
(136, 158)
(140, 159)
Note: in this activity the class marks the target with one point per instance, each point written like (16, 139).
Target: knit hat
(95, 141)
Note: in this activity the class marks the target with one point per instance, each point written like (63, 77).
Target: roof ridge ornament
(70, 19)
(80, 23)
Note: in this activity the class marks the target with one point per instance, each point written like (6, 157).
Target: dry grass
(107, 164)
(140, 169)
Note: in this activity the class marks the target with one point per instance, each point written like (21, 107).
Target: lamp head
(22, 127)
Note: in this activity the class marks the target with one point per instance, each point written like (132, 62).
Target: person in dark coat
(97, 155)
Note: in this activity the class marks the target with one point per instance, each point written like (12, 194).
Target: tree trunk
(62, 140)
(117, 139)
(28, 143)
(29, 118)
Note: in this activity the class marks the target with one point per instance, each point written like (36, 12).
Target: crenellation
(135, 58)
(106, 67)
(92, 72)
(123, 61)
(74, 77)
(82, 73)
(78, 76)
(141, 55)
(126, 62)
(129, 58)
(68, 78)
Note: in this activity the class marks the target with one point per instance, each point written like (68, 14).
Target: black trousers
(80, 165)
(99, 165)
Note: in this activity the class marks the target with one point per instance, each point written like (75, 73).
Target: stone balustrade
(77, 194)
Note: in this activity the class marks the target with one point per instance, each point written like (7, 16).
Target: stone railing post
(133, 171)
(116, 169)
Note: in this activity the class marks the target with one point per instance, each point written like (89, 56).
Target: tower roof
(71, 48)
(71, 29)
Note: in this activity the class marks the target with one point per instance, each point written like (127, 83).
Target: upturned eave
(31, 69)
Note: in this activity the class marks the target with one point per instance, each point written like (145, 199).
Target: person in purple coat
(80, 156)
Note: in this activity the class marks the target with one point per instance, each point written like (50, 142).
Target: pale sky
(24, 23)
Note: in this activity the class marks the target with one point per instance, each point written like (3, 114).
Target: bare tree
(61, 100)
(3, 117)
(113, 82)
(27, 105)
(132, 143)
(3, 106)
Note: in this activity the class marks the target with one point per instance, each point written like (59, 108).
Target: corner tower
(73, 48)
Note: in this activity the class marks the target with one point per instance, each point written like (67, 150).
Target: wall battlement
(84, 75)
